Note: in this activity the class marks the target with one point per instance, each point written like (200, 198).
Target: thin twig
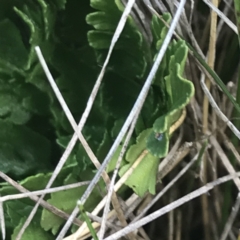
(71, 120)
(117, 186)
(44, 191)
(171, 154)
(34, 193)
(211, 62)
(171, 220)
(222, 16)
(137, 106)
(191, 12)
(173, 181)
(203, 190)
(99, 220)
(226, 162)
(225, 13)
(179, 225)
(230, 146)
(84, 143)
(232, 217)
(219, 112)
(128, 204)
(43, 203)
(2, 221)
(111, 186)
(90, 102)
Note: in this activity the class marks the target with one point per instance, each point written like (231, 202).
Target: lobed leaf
(22, 151)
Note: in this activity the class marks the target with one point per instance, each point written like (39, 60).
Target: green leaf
(32, 183)
(37, 182)
(74, 75)
(112, 164)
(12, 50)
(156, 147)
(88, 222)
(143, 178)
(38, 78)
(73, 27)
(103, 21)
(177, 100)
(159, 30)
(33, 231)
(118, 123)
(66, 201)
(26, 25)
(17, 210)
(59, 3)
(118, 92)
(105, 6)
(34, 100)
(18, 102)
(128, 58)
(21, 150)
(104, 146)
(100, 142)
(40, 19)
(135, 150)
(11, 108)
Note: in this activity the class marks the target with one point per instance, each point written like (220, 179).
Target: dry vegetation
(192, 199)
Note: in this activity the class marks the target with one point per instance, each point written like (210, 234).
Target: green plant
(74, 49)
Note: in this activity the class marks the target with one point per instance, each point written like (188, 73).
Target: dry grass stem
(219, 112)
(171, 184)
(72, 122)
(43, 203)
(226, 162)
(137, 106)
(211, 63)
(88, 108)
(44, 191)
(230, 146)
(2, 221)
(222, 16)
(111, 186)
(117, 186)
(204, 143)
(90, 153)
(232, 217)
(171, 155)
(203, 190)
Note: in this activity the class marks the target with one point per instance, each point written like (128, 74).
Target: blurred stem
(211, 61)
(236, 113)
(88, 222)
(234, 139)
(237, 13)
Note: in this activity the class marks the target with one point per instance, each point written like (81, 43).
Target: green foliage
(128, 59)
(22, 150)
(66, 201)
(12, 51)
(34, 131)
(167, 83)
(179, 91)
(32, 232)
(143, 178)
(88, 222)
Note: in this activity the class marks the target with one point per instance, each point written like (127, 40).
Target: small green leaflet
(143, 178)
